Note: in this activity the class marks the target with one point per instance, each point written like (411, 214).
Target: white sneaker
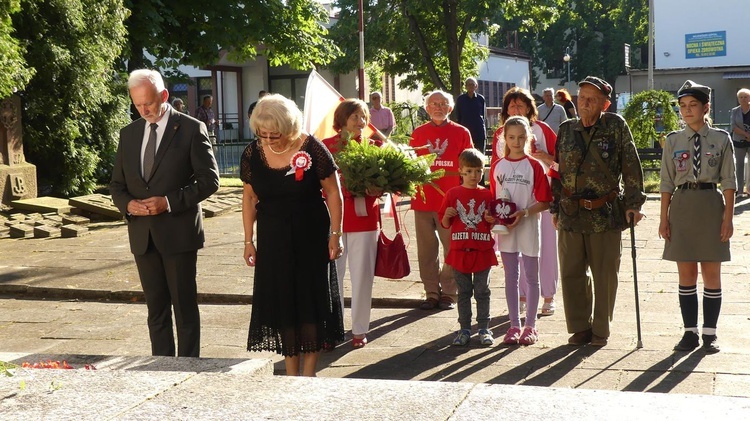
(548, 309)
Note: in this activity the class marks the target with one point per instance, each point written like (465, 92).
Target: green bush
(74, 105)
(642, 112)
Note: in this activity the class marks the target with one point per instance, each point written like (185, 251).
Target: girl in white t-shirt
(523, 178)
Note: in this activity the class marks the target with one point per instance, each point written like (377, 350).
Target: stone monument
(17, 177)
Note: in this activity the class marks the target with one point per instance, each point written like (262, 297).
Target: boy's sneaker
(522, 308)
(529, 336)
(512, 336)
(485, 337)
(463, 337)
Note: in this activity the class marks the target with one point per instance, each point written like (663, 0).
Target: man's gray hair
(550, 90)
(376, 93)
(448, 97)
(141, 76)
(470, 79)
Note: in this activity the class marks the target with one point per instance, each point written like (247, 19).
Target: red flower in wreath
(301, 162)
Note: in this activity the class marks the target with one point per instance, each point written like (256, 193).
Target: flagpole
(361, 52)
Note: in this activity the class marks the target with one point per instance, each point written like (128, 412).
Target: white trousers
(360, 249)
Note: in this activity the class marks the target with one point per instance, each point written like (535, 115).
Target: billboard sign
(706, 44)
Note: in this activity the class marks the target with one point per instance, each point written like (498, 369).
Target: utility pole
(650, 44)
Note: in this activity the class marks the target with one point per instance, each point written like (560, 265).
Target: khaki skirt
(695, 218)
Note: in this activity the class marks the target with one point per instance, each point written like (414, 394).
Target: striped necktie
(696, 155)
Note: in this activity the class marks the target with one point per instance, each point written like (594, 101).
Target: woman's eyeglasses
(268, 136)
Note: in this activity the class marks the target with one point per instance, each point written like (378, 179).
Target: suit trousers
(168, 280)
(430, 236)
(586, 260)
(360, 250)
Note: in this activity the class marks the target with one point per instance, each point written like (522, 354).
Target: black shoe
(709, 344)
(688, 342)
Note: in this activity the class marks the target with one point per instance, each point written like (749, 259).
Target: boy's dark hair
(471, 158)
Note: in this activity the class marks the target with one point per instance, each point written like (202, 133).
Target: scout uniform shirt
(717, 159)
(581, 174)
(447, 141)
(471, 248)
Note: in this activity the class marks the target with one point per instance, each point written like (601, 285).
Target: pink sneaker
(529, 336)
(511, 337)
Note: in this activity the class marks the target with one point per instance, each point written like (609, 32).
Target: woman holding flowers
(295, 294)
(360, 227)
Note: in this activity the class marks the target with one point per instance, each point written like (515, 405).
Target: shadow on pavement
(674, 376)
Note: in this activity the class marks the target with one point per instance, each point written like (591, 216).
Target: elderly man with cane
(598, 194)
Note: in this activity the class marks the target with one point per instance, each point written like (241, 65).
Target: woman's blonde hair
(276, 113)
(518, 120)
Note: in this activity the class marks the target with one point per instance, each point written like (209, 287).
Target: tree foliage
(644, 110)
(194, 32)
(594, 30)
(431, 43)
(14, 73)
(73, 106)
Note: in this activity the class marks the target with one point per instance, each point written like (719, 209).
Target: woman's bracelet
(248, 242)
(336, 233)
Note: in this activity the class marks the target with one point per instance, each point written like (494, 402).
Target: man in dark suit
(163, 169)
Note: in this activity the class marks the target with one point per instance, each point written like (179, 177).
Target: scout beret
(690, 88)
(597, 83)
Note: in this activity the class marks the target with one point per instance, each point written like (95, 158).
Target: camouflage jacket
(581, 175)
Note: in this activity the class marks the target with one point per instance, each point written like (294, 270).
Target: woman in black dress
(296, 307)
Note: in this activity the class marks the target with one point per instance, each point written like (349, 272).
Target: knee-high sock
(689, 307)
(711, 310)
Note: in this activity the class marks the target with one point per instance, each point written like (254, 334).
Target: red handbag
(392, 261)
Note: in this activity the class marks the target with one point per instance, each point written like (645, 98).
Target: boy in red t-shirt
(471, 251)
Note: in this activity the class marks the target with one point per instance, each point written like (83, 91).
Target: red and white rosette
(684, 156)
(301, 162)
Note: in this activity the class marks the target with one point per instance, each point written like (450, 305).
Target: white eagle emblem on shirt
(438, 148)
(470, 218)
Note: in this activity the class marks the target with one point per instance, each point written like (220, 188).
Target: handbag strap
(395, 215)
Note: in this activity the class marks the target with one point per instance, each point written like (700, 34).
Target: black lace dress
(295, 294)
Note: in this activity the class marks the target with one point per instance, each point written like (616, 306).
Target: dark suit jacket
(184, 171)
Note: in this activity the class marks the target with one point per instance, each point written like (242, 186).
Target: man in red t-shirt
(447, 140)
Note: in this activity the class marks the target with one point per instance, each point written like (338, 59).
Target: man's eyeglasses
(268, 136)
(440, 104)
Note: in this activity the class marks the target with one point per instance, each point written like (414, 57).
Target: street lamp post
(566, 58)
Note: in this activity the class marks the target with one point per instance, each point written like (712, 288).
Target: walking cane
(635, 281)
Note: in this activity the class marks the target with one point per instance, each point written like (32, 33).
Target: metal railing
(228, 157)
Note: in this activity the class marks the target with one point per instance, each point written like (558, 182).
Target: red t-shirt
(351, 221)
(471, 248)
(447, 142)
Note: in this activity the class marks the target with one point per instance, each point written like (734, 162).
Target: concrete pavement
(81, 297)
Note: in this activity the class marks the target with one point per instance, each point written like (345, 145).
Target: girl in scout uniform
(694, 162)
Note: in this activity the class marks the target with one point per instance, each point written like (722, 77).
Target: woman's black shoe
(709, 344)
(688, 342)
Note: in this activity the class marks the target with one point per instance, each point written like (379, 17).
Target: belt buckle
(587, 204)
(693, 186)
